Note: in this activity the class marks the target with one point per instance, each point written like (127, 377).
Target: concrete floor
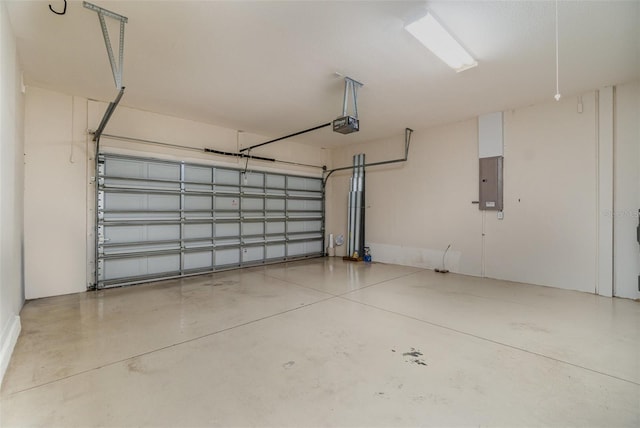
(326, 343)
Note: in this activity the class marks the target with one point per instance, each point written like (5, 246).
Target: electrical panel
(491, 183)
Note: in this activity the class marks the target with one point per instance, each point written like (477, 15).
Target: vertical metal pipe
(362, 205)
(350, 220)
(358, 206)
(356, 219)
(356, 233)
(352, 208)
(352, 234)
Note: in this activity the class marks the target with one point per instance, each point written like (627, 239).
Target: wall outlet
(500, 215)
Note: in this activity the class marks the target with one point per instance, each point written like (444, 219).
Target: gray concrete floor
(324, 342)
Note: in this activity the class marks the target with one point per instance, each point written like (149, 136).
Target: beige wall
(11, 191)
(549, 232)
(548, 235)
(414, 210)
(55, 194)
(59, 206)
(627, 190)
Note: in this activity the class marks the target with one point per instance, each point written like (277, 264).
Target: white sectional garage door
(160, 219)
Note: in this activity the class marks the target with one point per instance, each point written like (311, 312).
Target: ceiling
(269, 67)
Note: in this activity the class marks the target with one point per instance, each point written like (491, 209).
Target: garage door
(159, 219)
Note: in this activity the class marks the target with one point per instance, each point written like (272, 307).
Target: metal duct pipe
(356, 208)
(352, 204)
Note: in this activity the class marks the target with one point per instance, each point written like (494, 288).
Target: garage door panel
(132, 267)
(198, 174)
(275, 251)
(115, 250)
(142, 184)
(304, 226)
(198, 202)
(304, 205)
(227, 203)
(198, 260)
(165, 219)
(252, 254)
(275, 181)
(254, 179)
(275, 227)
(227, 229)
(304, 183)
(194, 231)
(275, 204)
(140, 233)
(226, 257)
(141, 202)
(252, 204)
(226, 176)
(256, 228)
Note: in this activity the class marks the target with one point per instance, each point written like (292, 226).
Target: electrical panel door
(491, 183)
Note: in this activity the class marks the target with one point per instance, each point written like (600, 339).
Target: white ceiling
(269, 67)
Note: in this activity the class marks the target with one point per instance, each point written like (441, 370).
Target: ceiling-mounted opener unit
(346, 124)
(116, 68)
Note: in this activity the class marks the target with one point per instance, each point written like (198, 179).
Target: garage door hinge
(100, 200)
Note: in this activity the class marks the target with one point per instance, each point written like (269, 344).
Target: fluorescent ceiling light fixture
(433, 35)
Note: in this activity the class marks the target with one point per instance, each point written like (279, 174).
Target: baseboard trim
(8, 344)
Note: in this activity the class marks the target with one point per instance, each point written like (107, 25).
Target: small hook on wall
(63, 10)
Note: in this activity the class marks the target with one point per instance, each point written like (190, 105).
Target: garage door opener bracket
(116, 67)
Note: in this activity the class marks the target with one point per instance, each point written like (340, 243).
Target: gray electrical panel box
(491, 183)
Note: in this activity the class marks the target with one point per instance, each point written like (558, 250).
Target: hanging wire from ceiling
(63, 10)
(557, 95)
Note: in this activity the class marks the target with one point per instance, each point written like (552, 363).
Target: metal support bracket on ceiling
(348, 123)
(351, 86)
(116, 68)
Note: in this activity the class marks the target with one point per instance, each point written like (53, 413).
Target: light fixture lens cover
(435, 38)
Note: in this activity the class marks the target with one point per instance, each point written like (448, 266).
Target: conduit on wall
(407, 142)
